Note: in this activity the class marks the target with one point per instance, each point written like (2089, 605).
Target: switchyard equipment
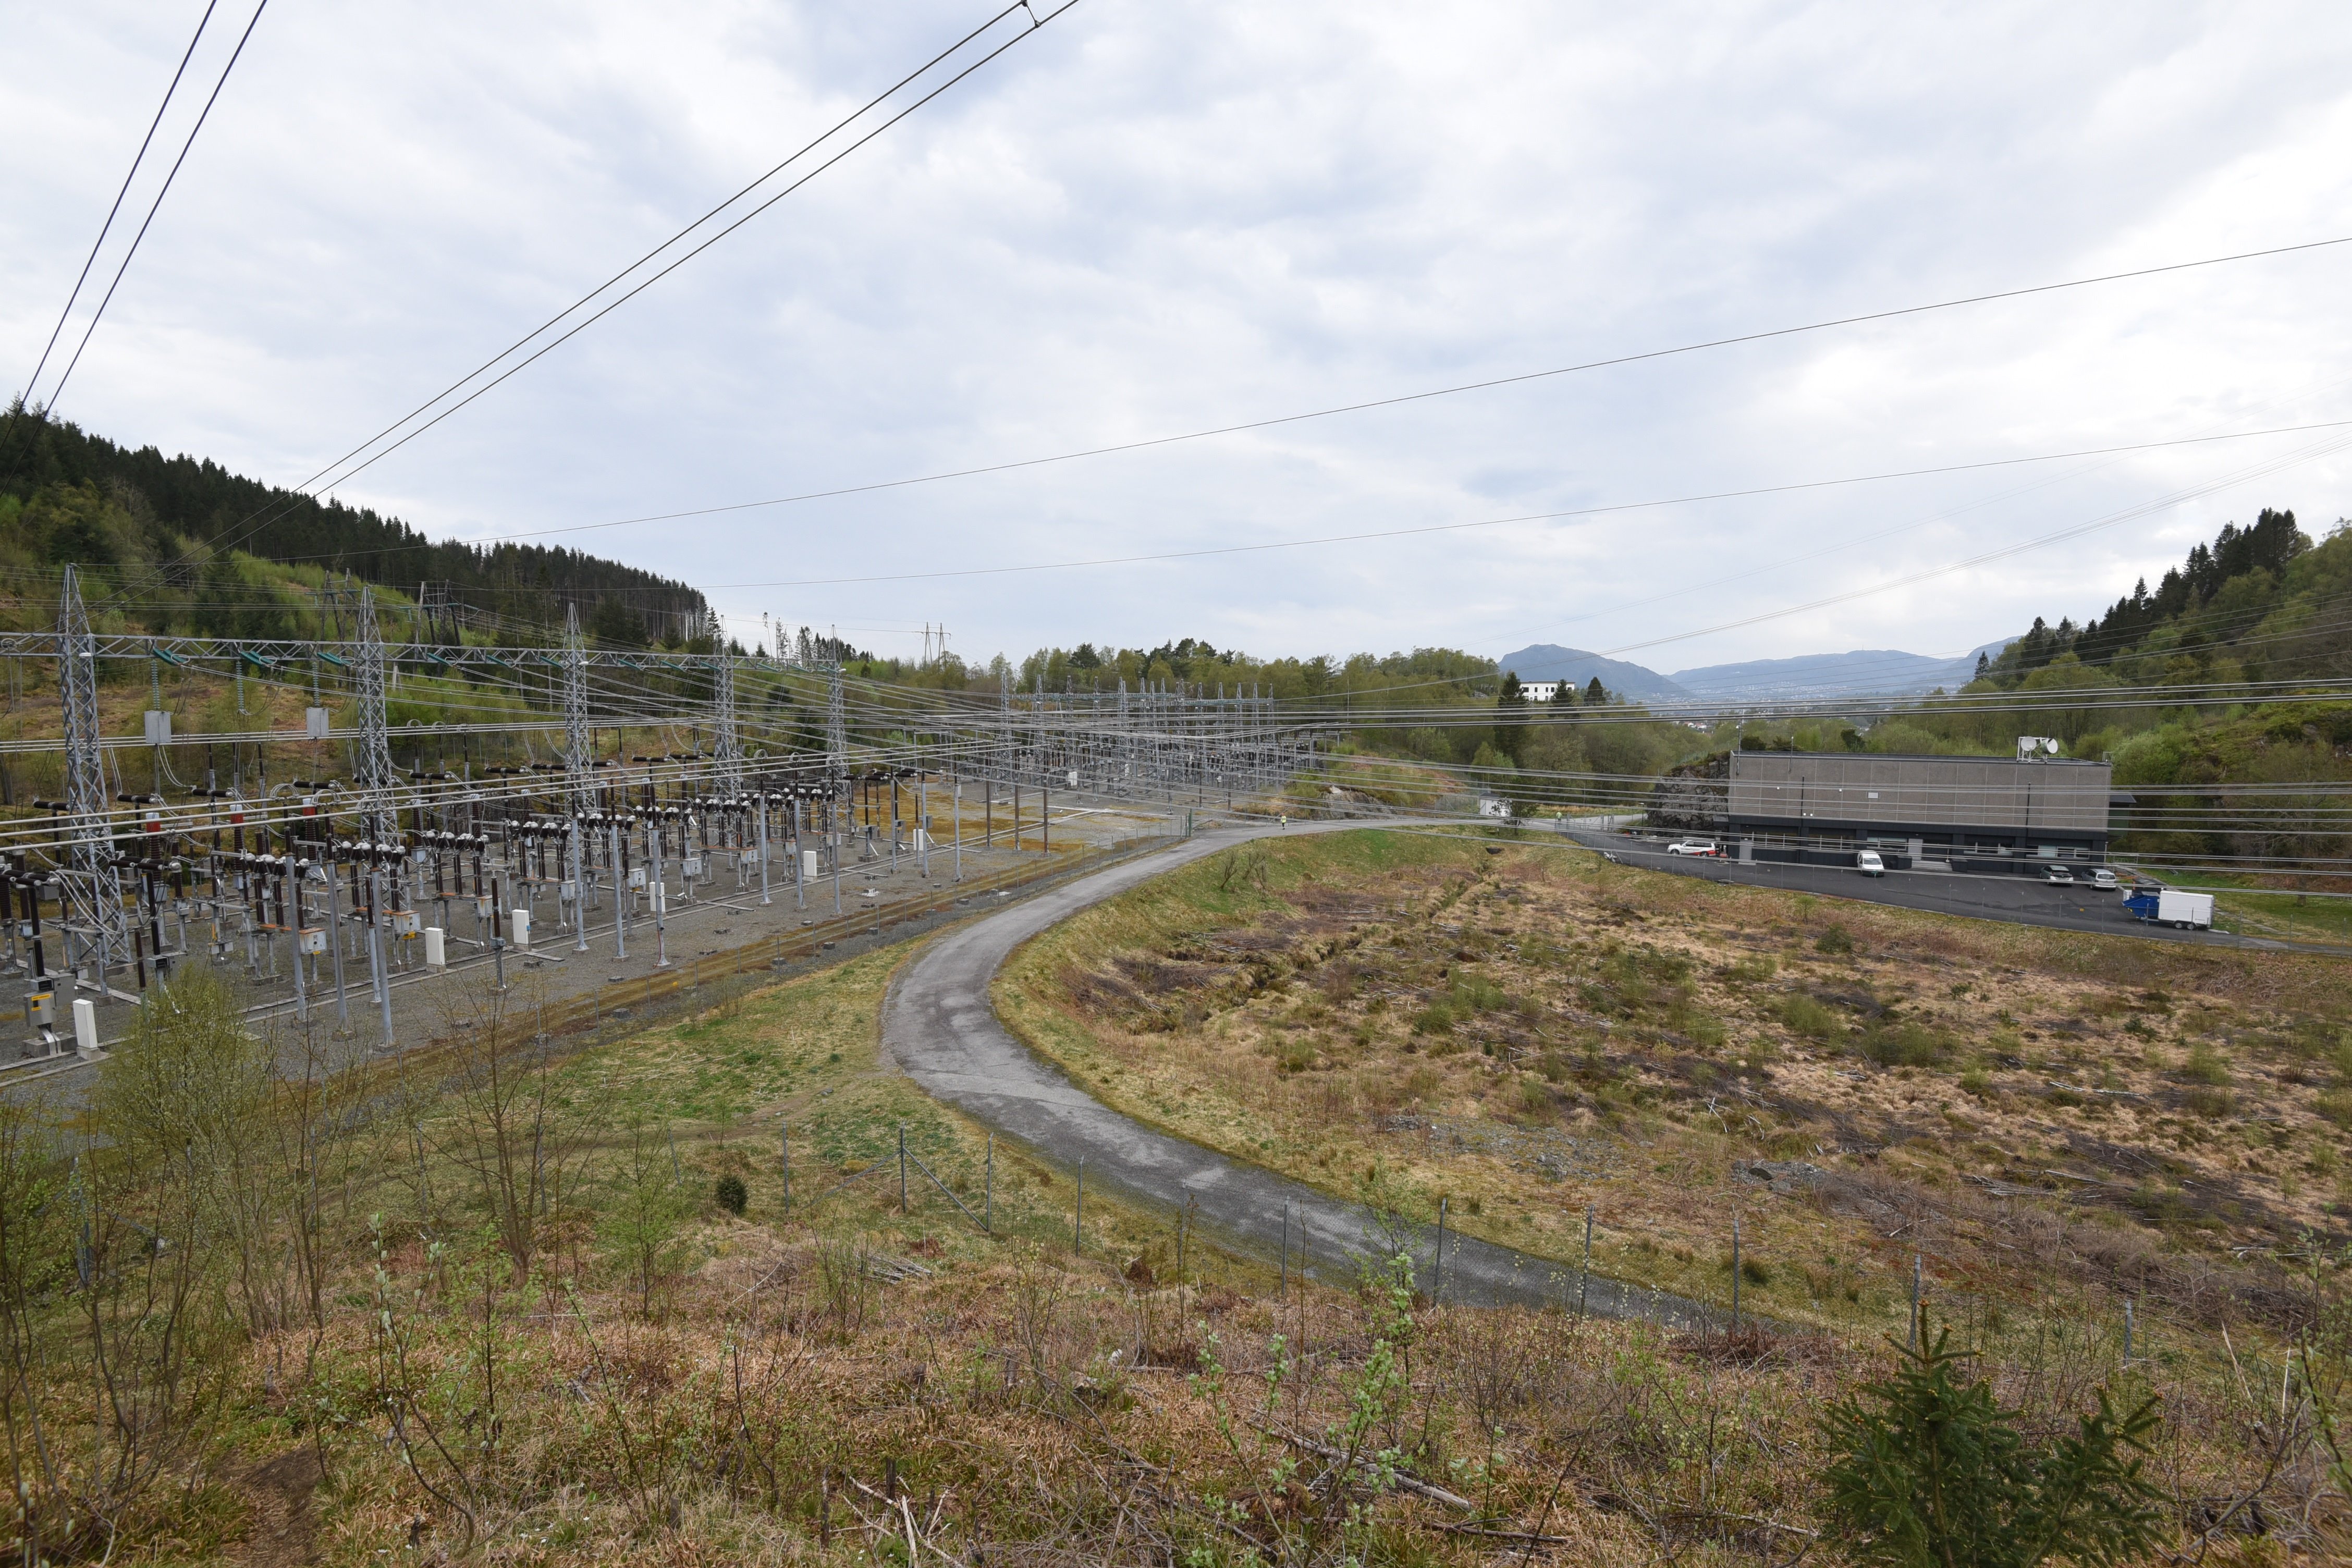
(394, 869)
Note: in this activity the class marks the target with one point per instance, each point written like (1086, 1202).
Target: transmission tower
(728, 749)
(576, 750)
(374, 772)
(94, 890)
(836, 731)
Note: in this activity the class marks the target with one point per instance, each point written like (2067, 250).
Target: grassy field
(506, 1306)
(1530, 1032)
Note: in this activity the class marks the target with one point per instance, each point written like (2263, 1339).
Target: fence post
(988, 1189)
(784, 1149)
(1915, 1301)
(902, 1167)
(1437, 1284)
(1282, 1278)
(1079, 1223)
(1182, 1214)
(1735, 1275)
(1584, 1273)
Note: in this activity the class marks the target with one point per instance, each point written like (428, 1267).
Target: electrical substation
(433, 849)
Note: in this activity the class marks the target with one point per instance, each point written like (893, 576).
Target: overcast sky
(1147, 220)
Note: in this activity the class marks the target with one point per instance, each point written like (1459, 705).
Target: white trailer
(2175, 907)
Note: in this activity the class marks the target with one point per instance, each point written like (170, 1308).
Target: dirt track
(938, 1028)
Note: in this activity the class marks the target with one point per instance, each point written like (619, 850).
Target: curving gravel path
(939, 1026)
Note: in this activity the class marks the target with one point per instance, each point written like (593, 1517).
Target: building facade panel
(1952, 799)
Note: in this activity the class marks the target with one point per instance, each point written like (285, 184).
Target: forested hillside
(162, 536)
(2259, 603)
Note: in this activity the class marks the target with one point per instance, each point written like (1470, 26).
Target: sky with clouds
(1143, 220)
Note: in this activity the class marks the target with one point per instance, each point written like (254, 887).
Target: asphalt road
(940, 1028)
(2021, 901)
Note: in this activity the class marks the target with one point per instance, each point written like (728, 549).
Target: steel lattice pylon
(576, 750)
(728, 747)
(93, 887)
(373, 768)
(836, 735)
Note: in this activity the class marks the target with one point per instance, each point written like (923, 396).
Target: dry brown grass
(1533, 1032)
(1040, 1407)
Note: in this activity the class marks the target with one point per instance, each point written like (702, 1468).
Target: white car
(1870, 863)
(2103, 879)
(1695, 847)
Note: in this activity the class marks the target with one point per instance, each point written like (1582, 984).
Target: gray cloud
(1154, 218)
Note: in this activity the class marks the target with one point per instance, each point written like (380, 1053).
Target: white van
(1870, 863)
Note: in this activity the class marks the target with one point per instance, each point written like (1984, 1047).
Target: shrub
(2335, 1105)
(1905, 1045)
(1437, 1018)
(1472, 993)
(2210, 1102)
(1833, 940)
(2204, 1064)
(1928, 1471)
(1803, 1016)
(730, 1194)
(1294, 1056)
(1754, 1271)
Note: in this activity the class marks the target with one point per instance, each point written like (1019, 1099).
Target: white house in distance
(1539, 691)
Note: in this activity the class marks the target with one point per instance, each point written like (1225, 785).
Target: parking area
(2023, 901)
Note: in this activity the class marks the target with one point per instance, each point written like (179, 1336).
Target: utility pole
(576, 757)
(836, 769)
(376, 774)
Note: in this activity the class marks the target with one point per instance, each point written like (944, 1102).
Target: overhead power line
(1337, 409)
(157, 204)
(345, 469)
(1572, 513)
(33, 381)
(2074, 530)
(1614, 506)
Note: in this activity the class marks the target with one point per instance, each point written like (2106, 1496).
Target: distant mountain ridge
(1550, 661)
(1863, 672)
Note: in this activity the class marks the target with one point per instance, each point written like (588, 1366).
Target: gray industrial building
(1978, 814)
